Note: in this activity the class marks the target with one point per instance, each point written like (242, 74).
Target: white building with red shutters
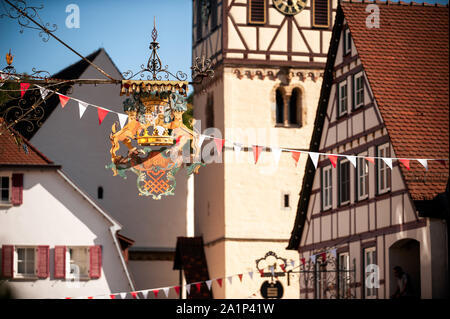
(55, 241)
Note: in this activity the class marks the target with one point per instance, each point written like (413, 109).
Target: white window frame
(8, 202)
(358, 76)
(327, 189)
(383, 173)
(361, 161)
(369, 293)
(16, 274)
(342, 99)
(340, 179)
(347, 39)
(344, 273)
(75, 275)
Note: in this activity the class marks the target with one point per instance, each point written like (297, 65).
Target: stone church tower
(268, 57)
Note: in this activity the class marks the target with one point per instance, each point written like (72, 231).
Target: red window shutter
(17, 189)
(95, 267)
(43, 261)
(60, 261)
(7, 261)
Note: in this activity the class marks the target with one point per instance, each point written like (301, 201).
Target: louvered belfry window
(257, 11)
(321, 13)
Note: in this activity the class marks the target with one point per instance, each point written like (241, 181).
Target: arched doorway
(406, 254)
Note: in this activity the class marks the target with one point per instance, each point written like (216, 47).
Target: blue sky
(123, 28)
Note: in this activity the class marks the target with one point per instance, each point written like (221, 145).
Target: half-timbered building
(384, 94)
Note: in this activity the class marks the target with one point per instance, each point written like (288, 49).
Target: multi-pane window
(362, 177)
(257, 11)
(344, 181)
(369, 259)
(25, 262)
(321, 13)
(342, 98)
(347, 41)
(5, 189)
(358, 87)
(344, 275)
(77, 262)
(383, 171)
(327, 188)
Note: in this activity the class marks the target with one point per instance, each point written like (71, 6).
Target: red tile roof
(11, 154)
(407, 65)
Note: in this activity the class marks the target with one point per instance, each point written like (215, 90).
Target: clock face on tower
(289, 7)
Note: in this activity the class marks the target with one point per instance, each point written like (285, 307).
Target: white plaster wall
(53, 213)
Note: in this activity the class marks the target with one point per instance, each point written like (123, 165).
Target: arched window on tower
(295, 107)
(280, 107)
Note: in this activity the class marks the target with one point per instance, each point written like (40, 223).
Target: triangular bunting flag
(90, 297)
(155, 292)
(370, 159)
(272, 270)
(112, 296)
(230, 279)
(200, 140)
(166, 291)
(283, 267)
(292, 263)
(219, 281)
(351, 159)
(303, 260)
(208, 284)
(198, 286)
(261, 271)
(44, 92)
(188, 288)
(134, 294)
(424, 163)
(296, 157)
(388, 161)
(324, 256)
(123, 295)
(178, 140)
(334, 253)
(144, 293)
(63, 99)
(276, 152)
(122, 119)
(405, 162)
(313, 259)
(101, 114)
(250, 274)
(442, 162)
(177, 289)
(219, 144)
(23, 88)
(314, 158)
(82, 106)
(237, 150)
(256, 151)
(240, 277)
(333, 159)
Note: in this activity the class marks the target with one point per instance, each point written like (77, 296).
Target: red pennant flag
(219, 144)
(177, 289)
(112, 296)
(198, 285)
(333, 160)
(240, 277)
(134, 294)
(441, 161)
(155, 292)
(261, 271)
(219, 281)
(68, 297)
(370, 159)
(178, 139)
(283, 268)
(324, 256)
(295, 156)
(256, 151)
(405, 162)
(101, 114)
(90, 297)
(63, 99)
(303, 261)
(23, 88)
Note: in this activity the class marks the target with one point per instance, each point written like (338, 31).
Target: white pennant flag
(230, 279)
(122, 119)
(276, 155)
(237, 150)
(44, 92)
(388, 161)
(201, 139)
(333, 253)
(351, 159)
(250, 273)
(208, 284)
(82, 106)
(166, 291)
(313, 259)
(314, 158)
(123, 295)
(272, 270)
(292, 263)
(144, 293)
(188, 288)
(424, 163)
